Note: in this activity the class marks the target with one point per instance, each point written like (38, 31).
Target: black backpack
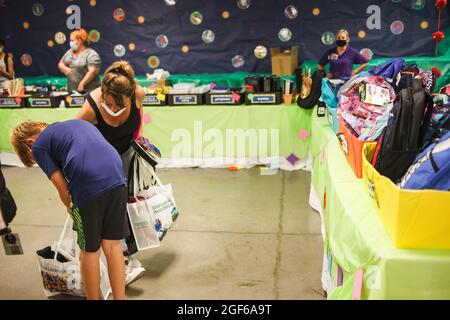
(405, 77)
(316, 90)
(402, 138)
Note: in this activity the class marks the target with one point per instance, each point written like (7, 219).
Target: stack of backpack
(403, 137)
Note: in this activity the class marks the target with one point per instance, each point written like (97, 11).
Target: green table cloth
(206, 136)
(355, 238)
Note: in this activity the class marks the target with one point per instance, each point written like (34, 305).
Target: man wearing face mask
(116, 110)
(80, 64)
(342, 58)
(6, 66)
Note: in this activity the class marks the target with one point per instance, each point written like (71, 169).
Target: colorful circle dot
(26, 25)
(185, 49)
(362, 34)
(316, 11)
(424, 25)
(131, 46)
(93, 3)
(226, 14)
(141, 19)
(50, 43)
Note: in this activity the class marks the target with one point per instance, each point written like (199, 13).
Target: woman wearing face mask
(115, 109)
(6, 66)
(80, 64)
(342, 58)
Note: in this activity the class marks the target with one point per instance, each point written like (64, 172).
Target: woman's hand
(80, 88)
(67, 72)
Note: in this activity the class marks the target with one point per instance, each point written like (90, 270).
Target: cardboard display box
(75, 101)
(284, 63)
(151, 100)
(272, 98)
(414, 219)
(188, 99)
(13, 102)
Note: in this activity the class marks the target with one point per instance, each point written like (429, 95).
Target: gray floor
(239, 235)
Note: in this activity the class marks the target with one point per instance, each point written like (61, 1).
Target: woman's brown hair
(19, 137)
(119, 81)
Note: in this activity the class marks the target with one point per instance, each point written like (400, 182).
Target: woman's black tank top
(119, 137)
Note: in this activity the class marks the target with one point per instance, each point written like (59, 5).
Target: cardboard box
(273, 98)
(185, 99)
(284, 63)
(13, 102)
(414, 219)
(151, 100)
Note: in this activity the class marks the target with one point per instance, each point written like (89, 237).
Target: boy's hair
(82, 35)
(19, 136)
(119, 81)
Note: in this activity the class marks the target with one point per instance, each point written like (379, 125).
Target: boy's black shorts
(102, 218)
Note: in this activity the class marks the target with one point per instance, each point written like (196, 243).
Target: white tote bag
(59, 266)
(152, 211)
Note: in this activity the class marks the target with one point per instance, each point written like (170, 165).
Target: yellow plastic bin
(414, 219)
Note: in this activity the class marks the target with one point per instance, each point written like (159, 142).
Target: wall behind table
(28, 31)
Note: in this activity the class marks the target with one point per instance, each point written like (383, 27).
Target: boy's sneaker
(132, 274)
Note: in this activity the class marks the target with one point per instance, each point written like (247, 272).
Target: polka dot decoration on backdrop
(237, 61)
(60, 38)
(243, 4)
(26, 25)
(50, 43)
(291, 12)
(26, 59)
(69, 10)
(285, 34)
(208, 36)
(185, 49)
(328, 38)
(119, 50)
(161, 41)
(316, 11)
(196, 18)
(38, 9)
(260, 52)
(119, 14)
(418, 4)
(94, 36)
(367, 53)
(170, 2)
(226, 14)
(424, 25)
(397, 27)
(93, 3)
(131, 46)
(141, 19)
(362, 34)
(153, 62)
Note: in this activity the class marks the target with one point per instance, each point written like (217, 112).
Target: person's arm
(359, 69)
(361, 60)
(324, 60)
(88, 77)
(140, 94)
(63, 68)
(59, 181)
(10, 74)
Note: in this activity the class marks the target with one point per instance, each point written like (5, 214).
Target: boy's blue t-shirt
(341, 67)
(90, 164)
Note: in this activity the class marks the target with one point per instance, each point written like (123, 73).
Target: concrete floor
(239, 236)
